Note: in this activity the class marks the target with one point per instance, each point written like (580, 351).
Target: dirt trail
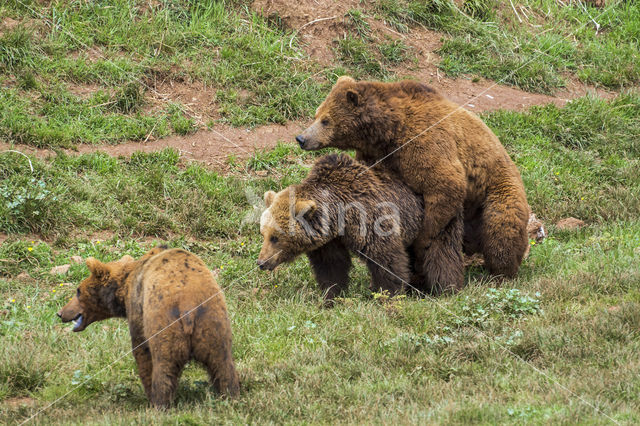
(318, 25)
(211, 147)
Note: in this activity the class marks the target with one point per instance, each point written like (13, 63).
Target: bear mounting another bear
(473, 194)
(176, 312)
(343, 206)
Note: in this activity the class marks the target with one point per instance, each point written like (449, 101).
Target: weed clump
(129, 98)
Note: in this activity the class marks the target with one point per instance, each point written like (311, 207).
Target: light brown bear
(340, 207)
(176, 312)
(443, 152)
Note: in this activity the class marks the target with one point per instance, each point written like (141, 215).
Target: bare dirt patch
(211, 147)
(316, 23)
(20, 401)
(84, 91)
(196, 97)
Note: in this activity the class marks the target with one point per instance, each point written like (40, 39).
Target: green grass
(555, 40)
(531, 351)
(120, 49)
(368, 55)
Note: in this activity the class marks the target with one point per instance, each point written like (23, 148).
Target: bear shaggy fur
(343, 206)
(472, 190)
(175, 309)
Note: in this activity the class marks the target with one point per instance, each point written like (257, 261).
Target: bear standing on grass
(176, 312)
(343, 206)
(443, 152)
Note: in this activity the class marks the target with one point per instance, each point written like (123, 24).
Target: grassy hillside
(557, 345)
(96, 72)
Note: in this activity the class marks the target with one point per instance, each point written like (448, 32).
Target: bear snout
(266, 265)
(301, 141)
(262, 264)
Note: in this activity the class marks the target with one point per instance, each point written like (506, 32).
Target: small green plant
(479, 9)
(129, 98)
(16, 48)
(497, 303)
(357, 19)
(355, 53)
(180, 123)
(394, 51)
(28, 204)
(27, 81)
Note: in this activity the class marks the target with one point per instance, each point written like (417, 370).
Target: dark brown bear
(443, 152)
(343, 206)
(176, 312)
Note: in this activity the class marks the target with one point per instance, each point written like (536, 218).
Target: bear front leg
(330, 265)
(389, 271)
(142, 355)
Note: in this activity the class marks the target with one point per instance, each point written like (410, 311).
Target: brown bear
(176, 312)
(343, 206)
(443, 152)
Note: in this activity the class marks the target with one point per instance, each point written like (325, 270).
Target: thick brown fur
(443, 152)
(341, 207)
(176, 312)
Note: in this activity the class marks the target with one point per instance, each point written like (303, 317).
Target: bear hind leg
(169, 357)
(504, 237)
(223, 375)
(212, 348)
(145, 367)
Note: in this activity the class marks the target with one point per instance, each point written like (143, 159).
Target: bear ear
(126, 258)
(268, 198)
(345, 79)
(305, 208)
(97, 268)
(352, 97)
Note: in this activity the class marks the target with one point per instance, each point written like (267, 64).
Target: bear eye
(78, 292)
(273, 239)
(325, 122)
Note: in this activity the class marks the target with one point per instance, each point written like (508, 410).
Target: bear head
(367, 116)
(337, 119)
(285, 228)
(100, 296)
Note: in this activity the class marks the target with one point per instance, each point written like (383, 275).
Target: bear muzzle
(79, 323)
(265, 265)
(301, 141)
(72, 311)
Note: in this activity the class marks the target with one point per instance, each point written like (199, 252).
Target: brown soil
(197, 98)
(20, 401)
(212, 147)
(316, 23)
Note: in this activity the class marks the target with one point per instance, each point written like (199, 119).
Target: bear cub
(343, 206)
(176, 312)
